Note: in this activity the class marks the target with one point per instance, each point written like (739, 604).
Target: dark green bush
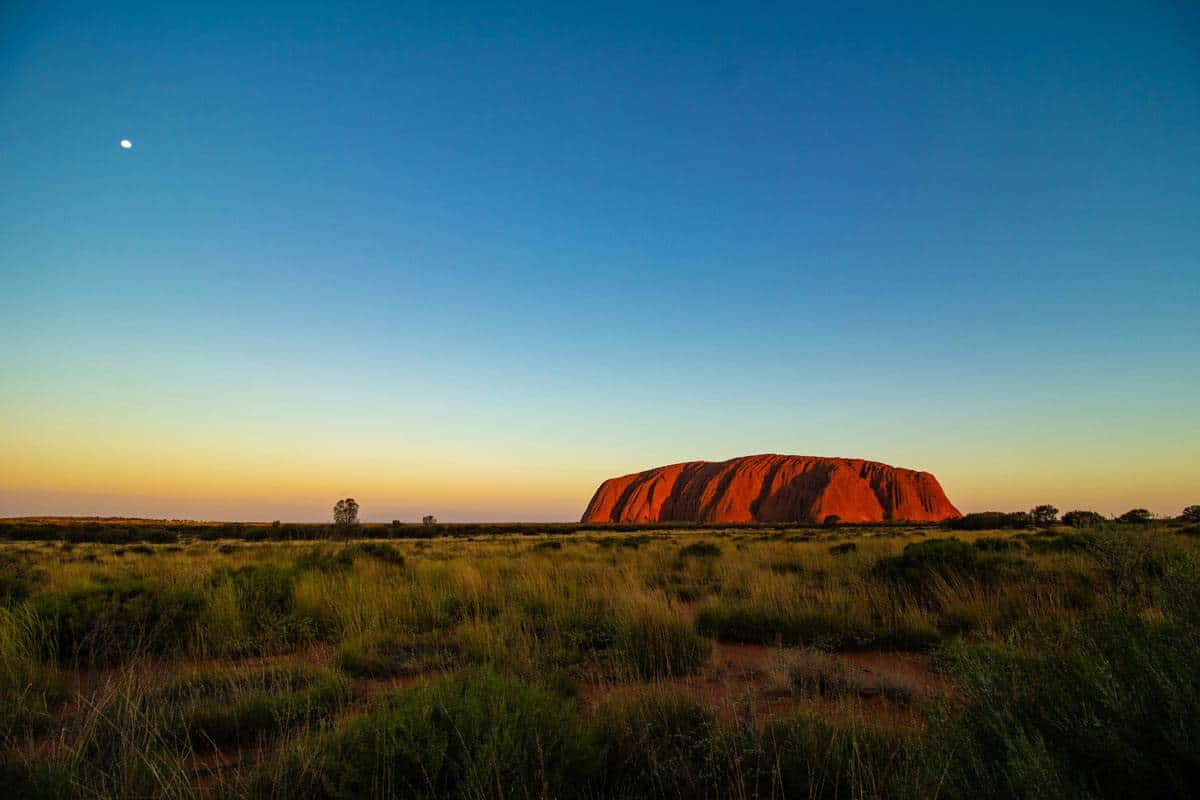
(323, 559)
(659, 744)
(113, 622)
(18, 578)
(700, 550)
(1136, 516)
(476, 734)
(379, 551)
(1083, 519)
(990, 521)
(1112, 714)
(222, 708)
(389, 655)
(843, 548)
(922, 561)
(997, 544)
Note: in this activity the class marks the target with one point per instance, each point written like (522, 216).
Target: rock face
(772, 488)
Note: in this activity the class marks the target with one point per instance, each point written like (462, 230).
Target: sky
(471, 260)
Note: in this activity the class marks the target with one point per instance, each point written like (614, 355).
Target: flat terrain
(581, 662)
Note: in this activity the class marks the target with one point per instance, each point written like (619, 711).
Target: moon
(126, 144)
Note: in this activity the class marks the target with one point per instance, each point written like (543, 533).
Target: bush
(813, 757)
(991, 521)
(378, 551)
(1083, 519)
(18, 577)
(811, 624)
(1191, 514)
(477, 734)
(1136, 516)
(655, 644)
(1043, 516)
(222, 708)
(656, 744)
(323, 559)
(921, 562)
(700, 550)
(843, 548)
(392, 654)
(118, 620)
(997, 544)
(1110, 714)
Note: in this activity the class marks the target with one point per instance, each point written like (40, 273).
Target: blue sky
(471, 260)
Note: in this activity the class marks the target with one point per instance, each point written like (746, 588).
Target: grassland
(786, 663)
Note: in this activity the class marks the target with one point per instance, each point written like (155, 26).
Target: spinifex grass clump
(252, 609)
(29, 689)
(390, 654)
(220, 707)
(18, 578)
(923, 562)
(113, 622)
(478, 734)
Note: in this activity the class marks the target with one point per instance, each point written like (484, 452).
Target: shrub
(1083, 519)
(1043, 516)
(551, 544)
(1136, 516)
(391, 654)
(922, 562)
(997, 544)
(813, 624)
(1109, 714)
(700, 550)
(18, 577)
(379, 551)
(990, 521)
(654, 643)
(843, 548)
(223, 708)
(1190, 514)
(324, 559)
(29, 689)
(655, 744)
(115, 621)
(476, 734)
(813, 757)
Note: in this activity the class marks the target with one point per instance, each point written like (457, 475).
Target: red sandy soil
(771, 488)
(737, 683)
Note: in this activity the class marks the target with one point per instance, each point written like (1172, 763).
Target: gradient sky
(472, 260)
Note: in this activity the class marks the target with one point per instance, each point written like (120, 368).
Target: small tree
(429, 519)
(832, 521)
(345, 512)
(1191, 514)
(1136, 516)
(1044, 516)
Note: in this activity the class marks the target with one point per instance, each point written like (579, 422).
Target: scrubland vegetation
(786, 663)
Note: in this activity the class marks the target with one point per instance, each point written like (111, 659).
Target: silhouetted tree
(345, 512)
(1191, 514)
(429, 519)
(1044, 516)
(1137, 516)
(832, 521)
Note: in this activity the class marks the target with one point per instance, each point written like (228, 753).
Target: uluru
(772, 488)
